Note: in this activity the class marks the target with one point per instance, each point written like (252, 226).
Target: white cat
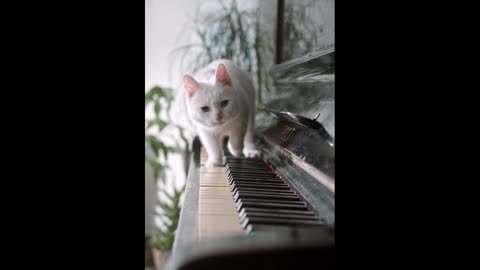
(221, 102)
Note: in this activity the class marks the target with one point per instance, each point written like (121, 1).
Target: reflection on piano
(276, 212)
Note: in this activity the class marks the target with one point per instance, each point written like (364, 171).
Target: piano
(274, 212)
(278, 211)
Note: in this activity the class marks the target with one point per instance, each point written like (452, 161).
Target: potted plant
(162, 240)
(168, 205)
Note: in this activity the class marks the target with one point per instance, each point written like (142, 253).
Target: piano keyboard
(217, 215)
(264, 200)
(248, 196)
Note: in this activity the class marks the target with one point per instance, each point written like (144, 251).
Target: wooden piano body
(233, 217)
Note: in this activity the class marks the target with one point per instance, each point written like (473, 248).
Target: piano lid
(303, 105)
(310, 67)
(306, 87)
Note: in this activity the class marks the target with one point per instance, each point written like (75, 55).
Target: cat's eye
(224, 103)
(205, 109)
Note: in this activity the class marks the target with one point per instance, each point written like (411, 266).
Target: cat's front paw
(252, 153)
(213, 163)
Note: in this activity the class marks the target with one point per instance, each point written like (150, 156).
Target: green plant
(164, 237)
(234, 34)
(160, 98)
(169, 211)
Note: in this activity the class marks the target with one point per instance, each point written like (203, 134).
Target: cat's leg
(235, 140)
(250, 150)
(214, 149)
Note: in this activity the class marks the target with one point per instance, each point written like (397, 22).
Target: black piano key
(250, 170)
(280, 189)
(263, 193)
(262, 189)
(232, 179)
(279, 220)
(241, 202)
(267, 191)
(265, 185)
(248, 165)
(244, 224)
(248, 200)
(266, 196)
(250, 178)
(273, 221)
(271, 187)
(263, 167)
(251, 175)
(253, 167)
(259, 183)
(277, 215)
(241, 205)
(278, 211)
(239, 164)
(256, 181)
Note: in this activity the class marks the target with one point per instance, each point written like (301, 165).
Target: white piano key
(217, 214)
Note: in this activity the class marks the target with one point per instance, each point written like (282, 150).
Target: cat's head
(212, 105)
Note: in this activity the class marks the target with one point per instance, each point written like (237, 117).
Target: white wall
(165, 29)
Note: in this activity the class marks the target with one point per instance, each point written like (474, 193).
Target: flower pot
(159, 258)
(148, 253)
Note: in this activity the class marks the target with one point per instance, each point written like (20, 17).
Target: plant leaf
(157, 108)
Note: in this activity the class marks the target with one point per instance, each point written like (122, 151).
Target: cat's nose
(219, 116)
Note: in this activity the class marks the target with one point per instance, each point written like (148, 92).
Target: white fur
(238, 115)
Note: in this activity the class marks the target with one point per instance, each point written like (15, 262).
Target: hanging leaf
(157, 167)
(150, 123)
(158, 91)
(157, 108)
(157, 122)
(154, 144)
(169, 98)
(158, 145)
(165, 193)
(160, 123)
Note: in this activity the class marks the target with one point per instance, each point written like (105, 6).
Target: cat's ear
(222, 76)
(191, 86)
